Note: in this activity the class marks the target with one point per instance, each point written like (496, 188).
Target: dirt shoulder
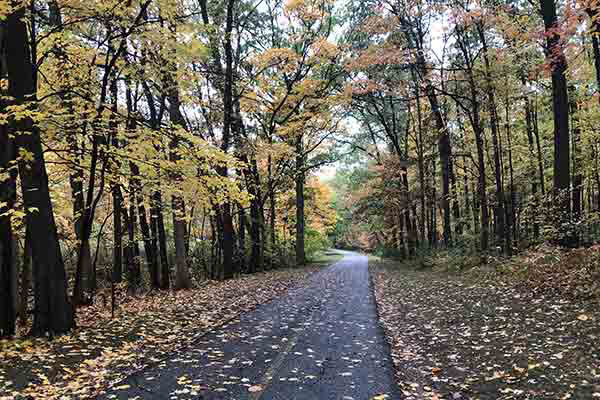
(456, 337)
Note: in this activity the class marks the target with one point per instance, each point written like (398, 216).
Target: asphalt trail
(321, 341)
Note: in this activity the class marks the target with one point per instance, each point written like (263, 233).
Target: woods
(150, 145)
(167, 165)
(490, 108)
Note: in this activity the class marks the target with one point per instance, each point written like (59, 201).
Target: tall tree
(53, 313)
(560, 107)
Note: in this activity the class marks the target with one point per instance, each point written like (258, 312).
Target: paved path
(321, 341)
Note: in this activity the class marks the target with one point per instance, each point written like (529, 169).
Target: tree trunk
(475, 119)
(445, 158)
(151, 256)
(468, 209)
(53, 313)
(117, 197)
(532, 155)
(25, 280)
(253, 187)
(182, 275)
(84, 257)
(242, 238)
(411, 234)
(444, 146)
(512, 216)
(154, 239)
(560, 108)
(458, 224)
(255, 223)
(433, 208)
(494, 123)
(401, 244)
(228, 123)
(133, 252)
(272, 216)
(227, 242)
(165, 278)
(7, 267)
(538, 146)
(421, 167)
(300, 255)
(577, 194)
(8, 193)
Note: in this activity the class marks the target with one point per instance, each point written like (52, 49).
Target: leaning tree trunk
(53, 313)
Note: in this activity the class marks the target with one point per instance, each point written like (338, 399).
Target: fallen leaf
(255, 388)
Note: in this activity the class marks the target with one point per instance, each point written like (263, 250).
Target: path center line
(269, 374)
(271, 371)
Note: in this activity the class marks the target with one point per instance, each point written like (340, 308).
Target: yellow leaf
(380, 397)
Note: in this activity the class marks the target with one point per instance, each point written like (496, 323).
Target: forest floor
(524, 328)
(146, 329)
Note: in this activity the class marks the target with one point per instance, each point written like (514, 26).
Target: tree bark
(182, 275)
(411, 234)
(84, 257)
(242, 238)
(560, 108)
(300, 254)
(157, 213)
(577, 194)
(532, 154)
(494, 123)
(7, 239)
(151, 256)
(475, 119)
(53, 313)
(25, 280)
(132, 249)
(421, 165)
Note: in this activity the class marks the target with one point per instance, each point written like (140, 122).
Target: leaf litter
(102, 351)
(465, 337)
